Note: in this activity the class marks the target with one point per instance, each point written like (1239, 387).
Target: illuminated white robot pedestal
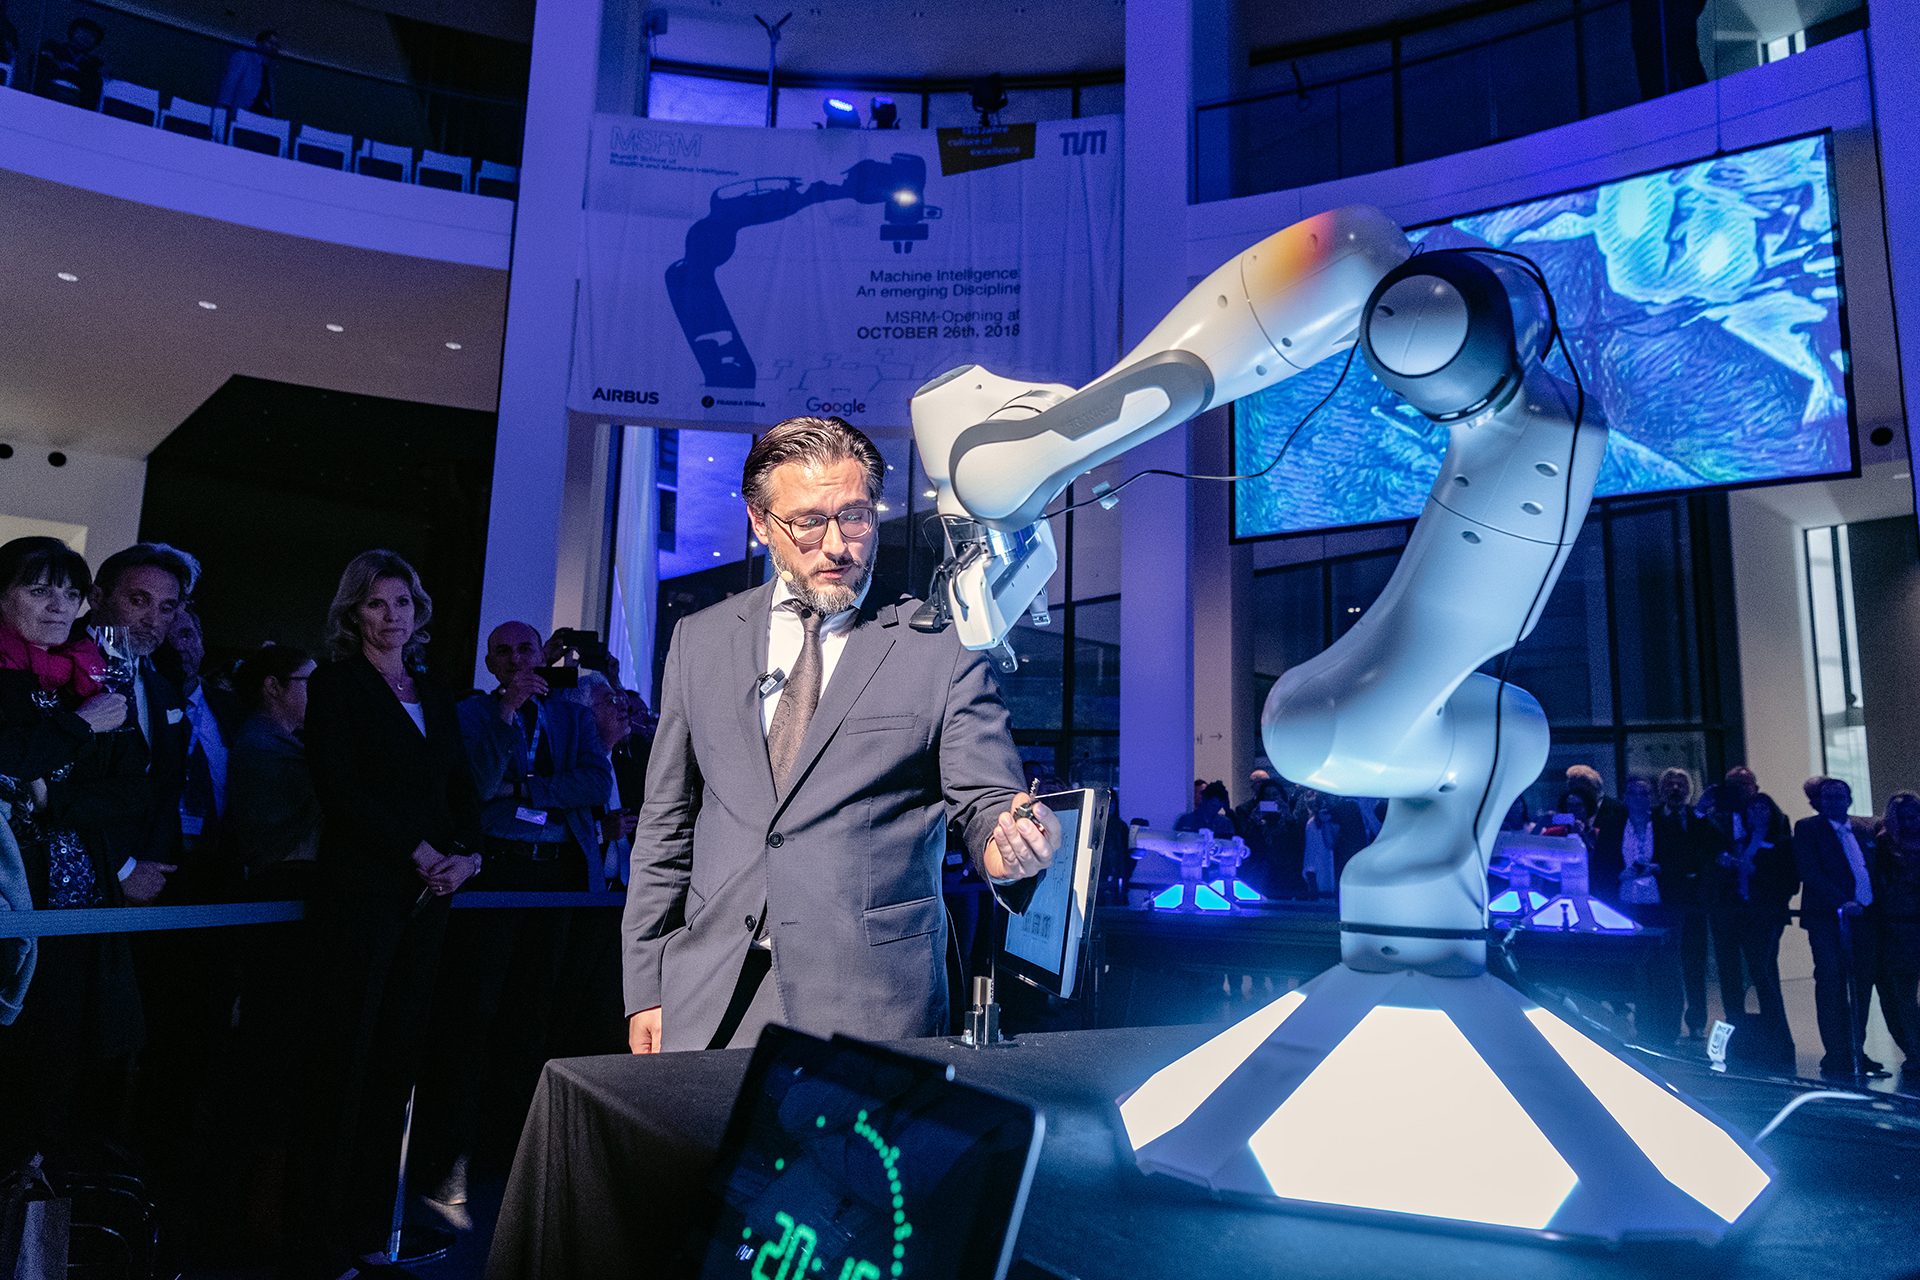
(1406, 1080)
(1447, 1098)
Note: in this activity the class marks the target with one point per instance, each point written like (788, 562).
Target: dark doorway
(276, 487)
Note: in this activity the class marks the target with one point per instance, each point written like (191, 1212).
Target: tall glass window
(1616, 659)
(1836, 657)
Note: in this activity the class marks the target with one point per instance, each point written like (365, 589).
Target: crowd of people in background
(134, 772)
(1716, 870)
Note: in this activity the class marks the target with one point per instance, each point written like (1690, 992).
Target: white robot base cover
(1379, 1085)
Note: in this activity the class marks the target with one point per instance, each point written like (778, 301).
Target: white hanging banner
(742, 276)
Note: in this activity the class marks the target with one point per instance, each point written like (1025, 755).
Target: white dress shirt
(1862, 883)
(785, 636)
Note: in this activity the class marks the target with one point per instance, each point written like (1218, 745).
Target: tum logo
(1084, 142)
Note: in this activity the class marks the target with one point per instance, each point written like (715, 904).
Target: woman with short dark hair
(399, 819)
(64, 1059)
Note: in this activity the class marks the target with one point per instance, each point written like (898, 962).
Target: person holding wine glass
(136, 596)
(400, 829)
(64, 1059)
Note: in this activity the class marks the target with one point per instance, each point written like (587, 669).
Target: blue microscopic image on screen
(1702, 304)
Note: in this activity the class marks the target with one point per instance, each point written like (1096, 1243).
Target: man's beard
(824, 598)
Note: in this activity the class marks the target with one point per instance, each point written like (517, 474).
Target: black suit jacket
(1825, 873)
(1684, 846)
(383, 785)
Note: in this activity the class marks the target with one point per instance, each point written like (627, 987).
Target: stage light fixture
(208, 306)
(453, 346)
(883, 113)
(840, 114)
(68, 276)
(336, 328)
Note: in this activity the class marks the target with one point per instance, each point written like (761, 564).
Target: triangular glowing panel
(1242, 891)
(1450, 1099)
(1508, 903)
(1171, 1096)
(1407, 1082)
(1691, 1151)
(1605, 917)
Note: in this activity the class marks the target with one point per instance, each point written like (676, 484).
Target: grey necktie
(797, 700)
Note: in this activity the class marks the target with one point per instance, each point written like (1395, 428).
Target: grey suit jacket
(910, 732)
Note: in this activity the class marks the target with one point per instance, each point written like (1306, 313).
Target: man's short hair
(1811, 788)
(812, 442)
(148, 555)
(1676, 771)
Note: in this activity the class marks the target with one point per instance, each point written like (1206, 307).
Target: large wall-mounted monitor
(1703, 303)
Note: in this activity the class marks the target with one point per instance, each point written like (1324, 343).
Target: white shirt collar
(782, 593)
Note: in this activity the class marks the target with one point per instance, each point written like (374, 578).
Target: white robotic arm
(1279, 1104)
(1393, 708)
(999, 450)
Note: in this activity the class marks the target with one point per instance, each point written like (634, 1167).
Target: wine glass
(123, 666)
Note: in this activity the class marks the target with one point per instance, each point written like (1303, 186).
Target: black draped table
(617, 1149)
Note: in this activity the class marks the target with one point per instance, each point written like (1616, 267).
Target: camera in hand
(586, 644)
(560, 677)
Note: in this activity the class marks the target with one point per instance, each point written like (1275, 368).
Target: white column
(530, 450)
(1156, 664)
(1893, 47)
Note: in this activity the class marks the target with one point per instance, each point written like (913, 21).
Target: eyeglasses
(810, 530)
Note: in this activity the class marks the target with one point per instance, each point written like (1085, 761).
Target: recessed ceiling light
(929, 493)
(716, 555)
(453, 346)
(204, 305)
(881, 506)
(336, 328)
(889, 466)
(709, 457)
(68, 276)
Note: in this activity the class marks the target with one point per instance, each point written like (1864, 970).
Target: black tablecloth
(616, 1150)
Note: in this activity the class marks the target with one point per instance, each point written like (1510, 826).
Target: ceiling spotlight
(204, 305)
(840, 114)
(716, 555)
(68, 276)
(929, 493)
(883, 113)
(882, 507)
(889, 466)
(336, 328)
(709, 457)
(453, 346)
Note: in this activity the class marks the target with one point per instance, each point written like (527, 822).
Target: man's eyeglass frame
(840, 517)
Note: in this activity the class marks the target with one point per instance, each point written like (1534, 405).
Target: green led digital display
(793, 1255)
(846, 1161)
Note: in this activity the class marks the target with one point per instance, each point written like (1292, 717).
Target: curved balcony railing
(166, 74)
(1475, 75)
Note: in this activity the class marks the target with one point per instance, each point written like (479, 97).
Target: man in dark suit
(1836, 910)
(811, 750)
(143, 589)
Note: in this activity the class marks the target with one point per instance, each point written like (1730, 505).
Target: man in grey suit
(811, 749)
